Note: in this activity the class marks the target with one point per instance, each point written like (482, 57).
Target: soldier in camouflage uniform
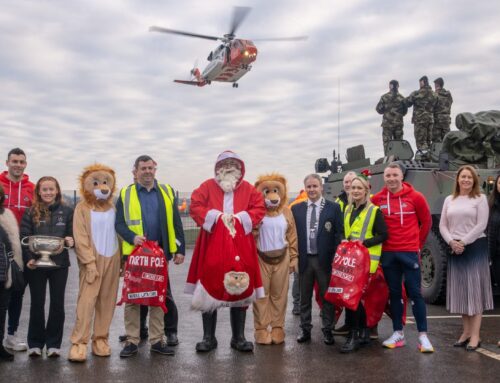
(442, 111)
(424, 102)
(392, 106)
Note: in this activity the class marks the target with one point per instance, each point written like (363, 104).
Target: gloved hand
(91, 273)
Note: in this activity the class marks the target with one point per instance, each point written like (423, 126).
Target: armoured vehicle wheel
(433, 258)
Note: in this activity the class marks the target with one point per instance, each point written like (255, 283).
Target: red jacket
(18, 195)
(407, 216)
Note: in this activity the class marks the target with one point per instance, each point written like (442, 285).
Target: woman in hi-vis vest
(361, 216)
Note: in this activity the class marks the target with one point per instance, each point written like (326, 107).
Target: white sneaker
(13, 343)
(53, 352)
(35, 351)
(397, 339)
(424, 344)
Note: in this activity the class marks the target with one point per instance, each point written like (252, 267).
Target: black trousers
(312, 273)
(356, 319)
(170, 319)
(50, 333)
(4, 303)
(15, 307)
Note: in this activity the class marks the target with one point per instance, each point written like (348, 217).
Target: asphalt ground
(289, 362)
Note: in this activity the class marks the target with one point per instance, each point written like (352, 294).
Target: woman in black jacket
(9, 245)
(494, 231)
(47, 216)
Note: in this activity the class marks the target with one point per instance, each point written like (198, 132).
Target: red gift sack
(146, 276)
(375, 298)
(350, 269)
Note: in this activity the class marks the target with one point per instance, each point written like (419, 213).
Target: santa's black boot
(238, 341)
(209, 341)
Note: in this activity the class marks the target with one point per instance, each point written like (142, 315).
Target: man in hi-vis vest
(148, 210)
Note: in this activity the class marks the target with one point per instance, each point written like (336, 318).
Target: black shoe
(461, 344)
(352, 343)
(122, 338)
(172, 339)
(304, 336)
(344, 330)
(364, 336)
(296, 310)
(374, 332)
(473, 348)
(162, 348)
(129, 350)
(5, 355)
(144, 333)
(328, 337)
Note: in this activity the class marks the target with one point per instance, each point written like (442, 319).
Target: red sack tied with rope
(350, 269)
(146, 276)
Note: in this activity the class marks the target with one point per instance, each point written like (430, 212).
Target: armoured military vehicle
(476, 143)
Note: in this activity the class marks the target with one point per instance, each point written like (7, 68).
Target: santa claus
(224, 270)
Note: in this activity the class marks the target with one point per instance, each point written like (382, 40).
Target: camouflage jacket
(424, 102)
(392, 106)
(443, 105)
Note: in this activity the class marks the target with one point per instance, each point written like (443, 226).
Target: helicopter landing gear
(235, 84)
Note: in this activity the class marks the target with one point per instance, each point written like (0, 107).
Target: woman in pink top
(463, 222)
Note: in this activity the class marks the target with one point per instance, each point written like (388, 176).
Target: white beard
(228, 178)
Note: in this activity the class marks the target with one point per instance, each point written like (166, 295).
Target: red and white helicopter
(229, 61)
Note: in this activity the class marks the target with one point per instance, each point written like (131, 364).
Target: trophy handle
(23, 241)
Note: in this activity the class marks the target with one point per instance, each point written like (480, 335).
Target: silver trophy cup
(44, 246)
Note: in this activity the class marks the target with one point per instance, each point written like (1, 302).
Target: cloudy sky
(84, 81)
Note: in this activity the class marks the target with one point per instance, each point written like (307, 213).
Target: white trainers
(13, 343)
(424, 344)
(35, 351)
(397, 339)
(53, 352)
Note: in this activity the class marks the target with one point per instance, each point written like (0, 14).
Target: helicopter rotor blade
(176, 32)
(239, 14)
(295, 38)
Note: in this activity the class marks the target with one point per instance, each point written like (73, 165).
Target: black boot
(352, 342)
(5, 355)
(238, 341)
(209, 341)
(364, 336)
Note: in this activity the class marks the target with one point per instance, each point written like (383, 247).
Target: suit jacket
(330, 228)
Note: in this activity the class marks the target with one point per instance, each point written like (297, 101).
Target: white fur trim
(9, 223)
(203, 301)
(260, 292)
(245, 220)
(210, 219)
(189, 289)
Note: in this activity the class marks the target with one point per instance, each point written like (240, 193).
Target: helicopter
(231, 60)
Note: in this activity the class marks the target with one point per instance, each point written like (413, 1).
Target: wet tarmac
(290, 362)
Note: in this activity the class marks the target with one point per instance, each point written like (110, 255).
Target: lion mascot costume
(276, 240)
(98, 254)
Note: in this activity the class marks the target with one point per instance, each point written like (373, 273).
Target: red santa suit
(220, 254)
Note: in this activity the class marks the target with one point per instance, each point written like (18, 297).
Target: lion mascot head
(97, 186)
(273, 188)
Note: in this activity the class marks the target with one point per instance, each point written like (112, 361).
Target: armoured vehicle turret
(433, 173)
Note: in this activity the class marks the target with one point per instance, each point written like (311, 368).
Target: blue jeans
(395, 265)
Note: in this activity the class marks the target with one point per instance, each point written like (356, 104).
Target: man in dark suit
(319, 231)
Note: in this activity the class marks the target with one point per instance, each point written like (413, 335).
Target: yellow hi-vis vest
(133, 215)
(361, 229)
(341, 204)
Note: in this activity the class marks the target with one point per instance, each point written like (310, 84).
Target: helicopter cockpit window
(210, 56)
